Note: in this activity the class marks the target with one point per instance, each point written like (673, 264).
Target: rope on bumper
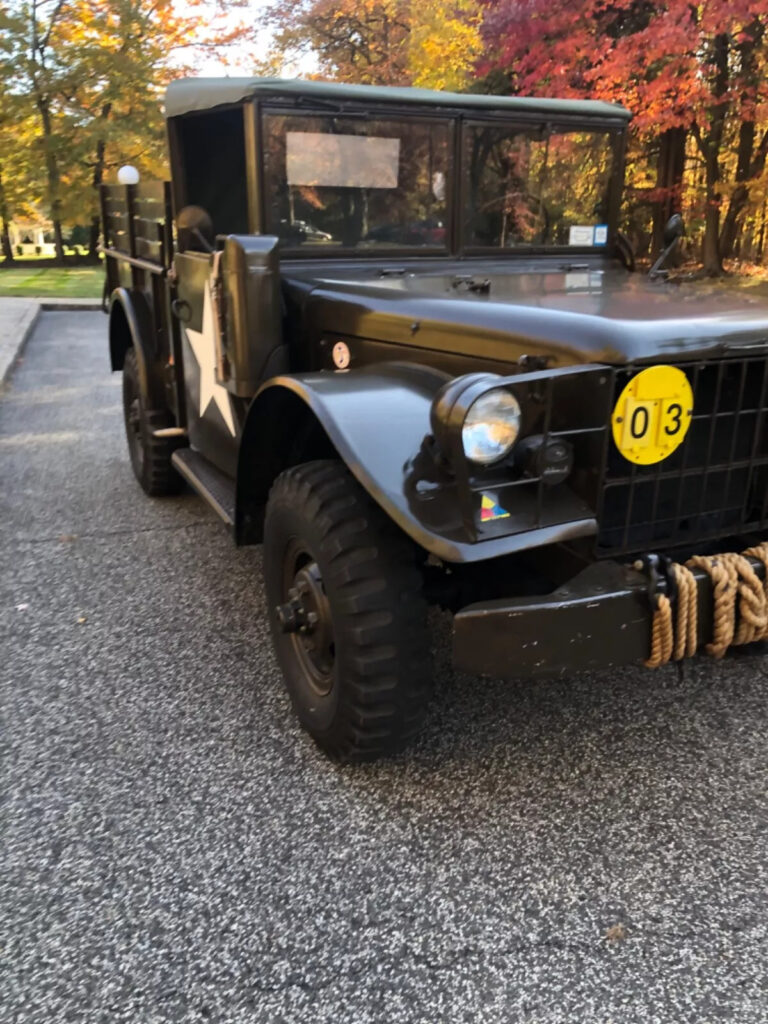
(674, 639)
(736, 589)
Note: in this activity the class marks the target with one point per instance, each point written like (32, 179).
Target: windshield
(536, 187)
(356, 183)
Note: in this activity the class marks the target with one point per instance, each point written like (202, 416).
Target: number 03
(652, 414)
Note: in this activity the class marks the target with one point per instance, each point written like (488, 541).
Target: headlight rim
(451, 405)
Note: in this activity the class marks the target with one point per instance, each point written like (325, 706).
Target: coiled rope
(738, 593)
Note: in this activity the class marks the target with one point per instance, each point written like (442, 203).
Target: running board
(208, 480)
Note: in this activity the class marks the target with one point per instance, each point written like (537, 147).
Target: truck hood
(577, 312)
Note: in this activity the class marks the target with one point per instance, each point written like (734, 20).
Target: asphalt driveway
(175, 849)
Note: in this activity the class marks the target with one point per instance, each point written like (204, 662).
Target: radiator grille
(714, 485)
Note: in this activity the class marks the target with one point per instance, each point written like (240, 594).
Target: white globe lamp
(128, 175)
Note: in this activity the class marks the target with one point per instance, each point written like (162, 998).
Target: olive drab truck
(398, 338)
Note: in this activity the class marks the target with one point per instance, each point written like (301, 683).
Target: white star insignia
(204, 346)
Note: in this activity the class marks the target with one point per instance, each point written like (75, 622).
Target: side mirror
(673, 229)
(195, 230)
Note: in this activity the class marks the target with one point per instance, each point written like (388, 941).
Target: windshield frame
(458, 122)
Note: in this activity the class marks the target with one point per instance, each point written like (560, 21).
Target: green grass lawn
(53, 282)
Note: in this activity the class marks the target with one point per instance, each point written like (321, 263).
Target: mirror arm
(656, 270)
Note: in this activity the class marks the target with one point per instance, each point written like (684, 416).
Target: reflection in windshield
(533, 187)
(337, 181)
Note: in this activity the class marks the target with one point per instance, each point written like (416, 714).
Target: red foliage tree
(681, 68)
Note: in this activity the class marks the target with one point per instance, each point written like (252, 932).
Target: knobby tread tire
(154, 471)
(382, 673)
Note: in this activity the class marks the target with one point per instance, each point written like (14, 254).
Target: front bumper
(600, 619)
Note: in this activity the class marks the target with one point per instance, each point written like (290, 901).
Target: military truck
(396, 336)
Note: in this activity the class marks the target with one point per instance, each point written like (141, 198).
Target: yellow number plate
(653, 414)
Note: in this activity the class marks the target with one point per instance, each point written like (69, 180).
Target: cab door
(214, 416)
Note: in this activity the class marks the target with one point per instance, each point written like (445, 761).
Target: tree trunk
(711, 259)
(710, 146)
(52, 172)
(6, 242)
(731, 220)
(740, 194)
(669, 180)
(97, 181)
(98, 174)
(748, 163)
(5, 233)
(93, 238)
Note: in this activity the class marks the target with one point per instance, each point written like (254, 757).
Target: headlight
(491, 426)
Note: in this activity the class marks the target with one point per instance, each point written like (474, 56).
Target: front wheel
(347, 611)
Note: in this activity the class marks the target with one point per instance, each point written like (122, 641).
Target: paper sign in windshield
(581, 234)
(341, 161)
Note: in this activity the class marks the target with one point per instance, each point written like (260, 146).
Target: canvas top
(186, 95)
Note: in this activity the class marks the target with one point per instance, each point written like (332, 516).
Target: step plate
(210, 483)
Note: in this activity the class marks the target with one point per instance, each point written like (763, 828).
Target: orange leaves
(656, 59)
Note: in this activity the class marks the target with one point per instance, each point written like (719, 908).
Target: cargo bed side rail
(137, 228)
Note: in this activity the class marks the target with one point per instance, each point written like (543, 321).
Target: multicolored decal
(491, 509)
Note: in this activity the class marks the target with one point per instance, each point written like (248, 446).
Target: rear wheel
(348, 615)
(150, 455)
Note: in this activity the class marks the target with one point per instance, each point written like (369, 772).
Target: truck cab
(396, 336)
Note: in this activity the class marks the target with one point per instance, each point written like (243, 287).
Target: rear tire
(347, 612)
(150, 455)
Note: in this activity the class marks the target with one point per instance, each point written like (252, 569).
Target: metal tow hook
(657, 569)
(293, 617)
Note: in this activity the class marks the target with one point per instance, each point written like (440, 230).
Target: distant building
(32, 237)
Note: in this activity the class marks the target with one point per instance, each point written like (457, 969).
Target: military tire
(150, 455)
(347, 611)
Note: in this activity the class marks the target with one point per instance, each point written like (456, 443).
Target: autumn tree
(22, 185)
(117, 106)
(748, 59)
(679, 67)
(444, 44)
(378, 42)
(32, 69)
(92, 73)
(8, 164)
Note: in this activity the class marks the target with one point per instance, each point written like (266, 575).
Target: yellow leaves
(433, 44)
(444, 44)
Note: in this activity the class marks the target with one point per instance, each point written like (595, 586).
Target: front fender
(375, 419)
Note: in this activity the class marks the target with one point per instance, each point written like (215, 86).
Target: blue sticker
(601, 234)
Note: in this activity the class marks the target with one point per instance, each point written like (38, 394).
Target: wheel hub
(306, 617)
(293, 616)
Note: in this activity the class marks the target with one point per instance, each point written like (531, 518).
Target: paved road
(176, 850)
